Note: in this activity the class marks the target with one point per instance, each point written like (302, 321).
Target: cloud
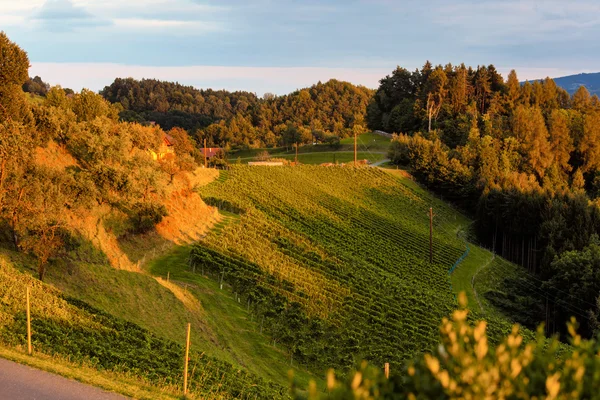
(506, 22)
(64, 16)
(11, 6)
(350, 34)
(182, 26)
(11, 20)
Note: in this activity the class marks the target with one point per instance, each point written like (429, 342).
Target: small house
(167, 147)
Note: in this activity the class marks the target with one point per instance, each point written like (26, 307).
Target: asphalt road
(20, 382)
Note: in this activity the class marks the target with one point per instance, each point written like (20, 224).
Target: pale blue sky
(278, 46)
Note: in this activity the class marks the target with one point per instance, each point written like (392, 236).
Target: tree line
(523, 158)
(238, 119)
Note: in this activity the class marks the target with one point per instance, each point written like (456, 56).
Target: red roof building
(168, 140)
(210, 152)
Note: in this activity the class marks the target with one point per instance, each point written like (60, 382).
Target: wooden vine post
(205, 160)
(187, 359)
(387, 370)
(430, 235)
(355, 156)
(29, 348)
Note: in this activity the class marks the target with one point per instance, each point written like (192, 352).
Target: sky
(278, 46)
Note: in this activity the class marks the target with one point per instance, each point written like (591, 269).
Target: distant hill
(572, 82)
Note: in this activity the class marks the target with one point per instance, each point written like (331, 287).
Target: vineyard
(334, 261)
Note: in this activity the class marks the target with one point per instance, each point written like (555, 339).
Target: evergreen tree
(561, 141)
(581, 99)
(530, 130)
(589, 147)
(458, 91)
(482, 88)
(526, 93)
(513, 89)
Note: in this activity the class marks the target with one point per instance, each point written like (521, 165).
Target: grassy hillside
(228, 332)
(334, 260)
(320, 267)
(78, 334)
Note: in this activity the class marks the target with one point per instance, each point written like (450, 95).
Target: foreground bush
(466, 366)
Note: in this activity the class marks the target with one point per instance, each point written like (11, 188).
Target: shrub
(145, 216)
(263, 156)
(399, 151)
(466, 366)
(333, 141)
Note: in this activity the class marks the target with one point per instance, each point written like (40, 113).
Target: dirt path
(473, 282)
(25, 383)
(380, 162)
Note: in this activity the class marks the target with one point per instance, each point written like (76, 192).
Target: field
(370, 147)
(334, 261)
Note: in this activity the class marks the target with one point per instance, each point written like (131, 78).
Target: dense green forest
(241, 119)
(524, 158)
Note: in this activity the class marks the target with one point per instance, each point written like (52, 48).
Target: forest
(321, 112)
(523, 158)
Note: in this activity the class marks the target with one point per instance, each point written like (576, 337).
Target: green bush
(144, 216)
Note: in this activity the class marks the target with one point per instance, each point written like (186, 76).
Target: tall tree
(589, 146)
(581, 99)
(458, 90)
(513, 89)
(526, 93)
(561, 141)
(530, 130)
(549, 96)
(436, 93)
(14, 66)
(482, 88)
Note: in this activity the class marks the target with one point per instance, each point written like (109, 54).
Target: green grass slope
(221, 327)
(65, 327)
(235, 335)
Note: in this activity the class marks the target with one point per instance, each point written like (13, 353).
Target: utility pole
(355, 148)
(431, 235)
(205, 160)
(296, 152)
